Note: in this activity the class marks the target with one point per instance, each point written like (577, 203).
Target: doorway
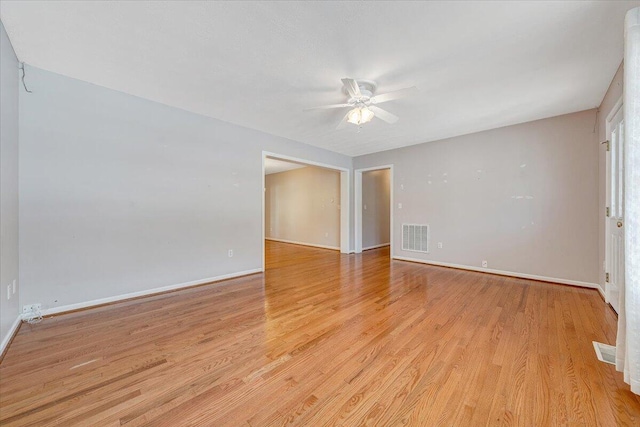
(614, 220)
(374, 208)
(339, 201)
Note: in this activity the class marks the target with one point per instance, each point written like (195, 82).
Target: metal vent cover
(415, 237)
(606, 353)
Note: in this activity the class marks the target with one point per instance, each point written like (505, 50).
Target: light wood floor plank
(325, 339)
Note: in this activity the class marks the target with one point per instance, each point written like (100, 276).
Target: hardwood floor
(325, 339)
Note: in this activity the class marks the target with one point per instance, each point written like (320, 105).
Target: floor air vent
(415, 237)
(606, 353)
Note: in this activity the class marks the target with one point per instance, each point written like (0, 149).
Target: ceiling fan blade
(396, 94)
(327, 107)
(383, 115)
(343, 122)
(352, 87)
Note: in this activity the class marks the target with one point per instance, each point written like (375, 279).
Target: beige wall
(302, 206)
(375, 208)
(522, 197)
(614, 93)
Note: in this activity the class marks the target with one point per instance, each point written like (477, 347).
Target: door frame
(345, 197)
(358, 205)
(607, 232)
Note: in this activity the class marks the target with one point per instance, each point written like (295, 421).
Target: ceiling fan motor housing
(367, 89)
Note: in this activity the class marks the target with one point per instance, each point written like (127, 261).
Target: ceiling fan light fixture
(359, 116)
(363, 102)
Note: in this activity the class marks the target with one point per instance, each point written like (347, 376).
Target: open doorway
(305, 203)
(373, 208)
(302, 204)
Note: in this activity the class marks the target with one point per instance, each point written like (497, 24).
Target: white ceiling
(277, 166)
(478, 65)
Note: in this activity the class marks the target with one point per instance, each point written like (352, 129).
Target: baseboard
(148, 292)
(600, 289)
(12, 333)
(293, 242)
(381, 245)
(503, 273)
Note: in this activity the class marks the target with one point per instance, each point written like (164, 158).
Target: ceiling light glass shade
(359, 116)
(354, 116)
(365, 115)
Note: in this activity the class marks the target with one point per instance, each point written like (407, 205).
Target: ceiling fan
(363, 103)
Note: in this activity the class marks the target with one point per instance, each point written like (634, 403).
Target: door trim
(607, 261)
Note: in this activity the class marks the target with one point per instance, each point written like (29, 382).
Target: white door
(615, 220)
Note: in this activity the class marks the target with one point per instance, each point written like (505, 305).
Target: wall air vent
(415, 237)
(606, 353)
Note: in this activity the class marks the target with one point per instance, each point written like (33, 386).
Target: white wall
(9, 80)
(375, 207)
(523, 197)
(119, 194)
(303, 205)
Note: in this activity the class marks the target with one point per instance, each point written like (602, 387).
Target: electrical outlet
(326, 234)
(399, 205)
(30, 308)
(230, 253)
(485, 264)
(8, 292)
(439, 245)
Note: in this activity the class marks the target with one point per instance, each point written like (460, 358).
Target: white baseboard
(12, 331)
(148, 292)
(293, 242)
(503, 273)
(601, 290)
(381, 245)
